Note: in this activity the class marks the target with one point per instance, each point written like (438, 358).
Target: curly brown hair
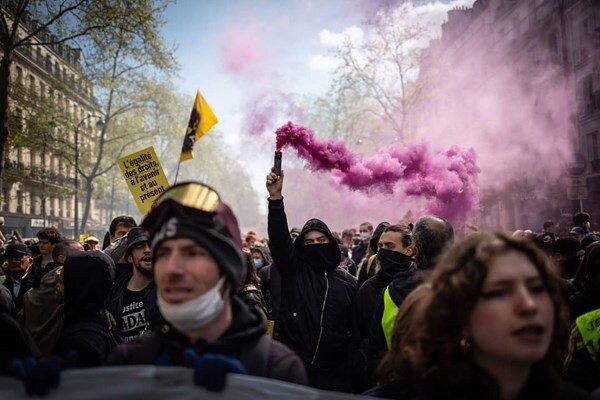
(436, 357)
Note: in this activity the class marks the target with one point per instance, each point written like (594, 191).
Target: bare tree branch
(60, 13)
(20, 10)
(127, 108)
(120, 152)
(4, 24)
(130, 69)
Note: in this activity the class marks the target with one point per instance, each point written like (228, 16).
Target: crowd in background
(402, 309)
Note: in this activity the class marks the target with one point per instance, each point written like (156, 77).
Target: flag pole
(177, 171)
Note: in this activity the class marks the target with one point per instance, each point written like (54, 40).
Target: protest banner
(162, 383)
(145, 177)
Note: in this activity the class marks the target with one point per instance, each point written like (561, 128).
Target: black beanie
(218, 232)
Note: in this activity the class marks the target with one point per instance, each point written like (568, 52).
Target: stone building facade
(38, 181)
(535, 35)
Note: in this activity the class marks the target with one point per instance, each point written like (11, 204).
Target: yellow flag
(202, 119)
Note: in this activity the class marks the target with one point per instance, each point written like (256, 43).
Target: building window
(582, 30)
(19, 75)
(48, 63)
(593, 149)
(26, 157)
(18, 119)
(33, 205)
(19, 201)
(38, 54)
(587, 95)
(5, 198)
(31, 83)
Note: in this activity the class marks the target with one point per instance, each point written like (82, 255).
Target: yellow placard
(589, 327)
(270, 327)
(145, 177)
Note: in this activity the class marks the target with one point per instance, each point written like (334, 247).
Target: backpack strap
(370, 262)
(255, 355)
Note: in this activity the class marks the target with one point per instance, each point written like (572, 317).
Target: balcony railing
(38, 174)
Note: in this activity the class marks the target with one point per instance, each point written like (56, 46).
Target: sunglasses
(193, 195)
(16, 257)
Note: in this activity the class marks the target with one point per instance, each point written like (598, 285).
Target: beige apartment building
(38, 182)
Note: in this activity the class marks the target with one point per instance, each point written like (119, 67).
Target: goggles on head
(193, 195)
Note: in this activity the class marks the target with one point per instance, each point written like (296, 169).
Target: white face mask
(364, 235)
(195, 313)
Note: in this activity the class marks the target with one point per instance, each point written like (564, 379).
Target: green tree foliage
(124, 63)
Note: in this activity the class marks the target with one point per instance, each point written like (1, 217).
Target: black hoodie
(88, 277)
(364, 309)
(270, 283)
(165, 346)
(400, 287)
(316, 300)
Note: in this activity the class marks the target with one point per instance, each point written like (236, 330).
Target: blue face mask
(258, 262)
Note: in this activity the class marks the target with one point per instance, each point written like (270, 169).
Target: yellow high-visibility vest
(589, 326)
(390, 310)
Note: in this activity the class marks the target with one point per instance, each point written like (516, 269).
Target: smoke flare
(446, 179)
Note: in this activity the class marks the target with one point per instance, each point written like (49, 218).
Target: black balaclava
(393, 259)
(318, 256)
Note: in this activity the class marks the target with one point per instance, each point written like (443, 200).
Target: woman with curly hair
(492, 325)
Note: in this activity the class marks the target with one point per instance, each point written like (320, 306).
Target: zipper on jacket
(321, 322)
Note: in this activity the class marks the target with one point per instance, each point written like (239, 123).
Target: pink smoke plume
(446, 179)
(242, 52)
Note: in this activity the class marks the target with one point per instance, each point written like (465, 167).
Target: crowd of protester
(400, 309)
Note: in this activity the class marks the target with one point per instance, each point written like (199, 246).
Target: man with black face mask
(316, 296)
(395, 252)
(430, 235)
(132, 300)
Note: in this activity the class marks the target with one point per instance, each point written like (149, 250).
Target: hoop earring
(465, 344)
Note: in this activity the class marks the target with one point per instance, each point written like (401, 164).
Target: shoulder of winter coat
(345, 276)
(142, 350)
(285, 365)
(572, 392)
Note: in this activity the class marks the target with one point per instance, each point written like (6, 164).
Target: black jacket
(165, 346)
(579, 367)
(532, 390)
(15, 343)
(88, 277)
(585, 300)
(401, 286)
(365, 306)
(9, 283)
(37, 272)
(359, 252)
(270, 284)
(114, 303)
(316, 303)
